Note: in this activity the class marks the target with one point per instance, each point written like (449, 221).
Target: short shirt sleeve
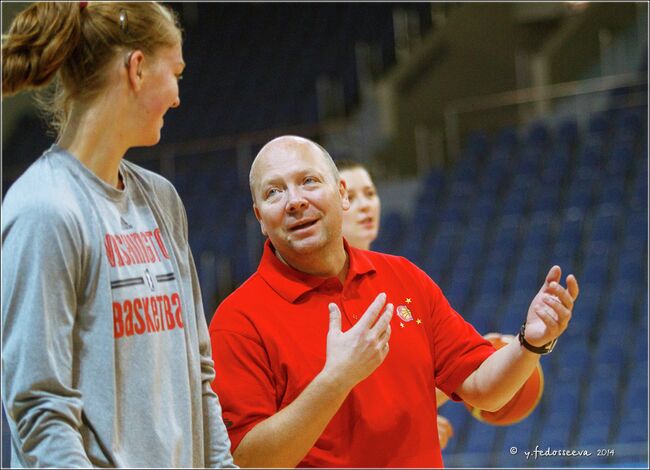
(457, 347)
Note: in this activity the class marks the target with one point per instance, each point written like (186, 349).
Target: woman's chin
(149, 141)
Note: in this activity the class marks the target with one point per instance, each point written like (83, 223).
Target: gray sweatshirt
(106, 353)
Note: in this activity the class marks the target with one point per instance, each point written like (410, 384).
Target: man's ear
(134, 64)
(259, 219)
(343, 191)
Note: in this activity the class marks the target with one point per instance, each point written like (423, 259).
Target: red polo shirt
(269, 342)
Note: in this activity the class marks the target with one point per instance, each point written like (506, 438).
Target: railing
(540, 95)
(242, 143)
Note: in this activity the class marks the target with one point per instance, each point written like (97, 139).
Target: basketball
(521, 404)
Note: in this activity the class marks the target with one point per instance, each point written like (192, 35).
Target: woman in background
(106, 354)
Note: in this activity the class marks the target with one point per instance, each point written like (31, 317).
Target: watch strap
(546, 349)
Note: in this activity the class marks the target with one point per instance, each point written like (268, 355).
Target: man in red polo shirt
(355, 388)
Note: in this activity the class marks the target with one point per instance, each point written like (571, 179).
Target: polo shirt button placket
(354, 316)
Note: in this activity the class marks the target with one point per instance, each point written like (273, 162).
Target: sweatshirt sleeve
(217, 443)
(42, 259)
(215, 437)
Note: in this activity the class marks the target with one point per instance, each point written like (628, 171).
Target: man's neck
(336, 263)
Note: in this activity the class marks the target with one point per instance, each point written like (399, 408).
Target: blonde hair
(70, 46)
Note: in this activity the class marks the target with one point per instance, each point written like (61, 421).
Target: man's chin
(305, 245)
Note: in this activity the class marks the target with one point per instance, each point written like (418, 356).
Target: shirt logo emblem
(404, 313)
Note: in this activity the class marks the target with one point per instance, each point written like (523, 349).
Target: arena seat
(480, 437)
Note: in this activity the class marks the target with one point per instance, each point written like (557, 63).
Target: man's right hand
(283, 439)
(354, 355)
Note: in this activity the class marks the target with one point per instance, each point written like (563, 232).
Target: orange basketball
(521, 404)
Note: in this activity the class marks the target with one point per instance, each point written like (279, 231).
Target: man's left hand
(550, 311)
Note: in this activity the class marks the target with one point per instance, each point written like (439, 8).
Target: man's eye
(271, 192)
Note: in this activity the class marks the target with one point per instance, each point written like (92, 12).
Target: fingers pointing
(371, 313)
(335, 318)
(382, 327)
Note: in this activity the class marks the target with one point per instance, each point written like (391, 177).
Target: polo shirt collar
(290, 283)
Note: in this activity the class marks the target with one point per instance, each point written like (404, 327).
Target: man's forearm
(284, 439)
(499, 377)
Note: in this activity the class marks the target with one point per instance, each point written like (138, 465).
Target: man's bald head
(289, 143)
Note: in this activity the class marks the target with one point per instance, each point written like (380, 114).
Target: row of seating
(492, 225)
(247, 85)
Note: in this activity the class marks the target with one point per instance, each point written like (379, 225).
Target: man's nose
(296, 201)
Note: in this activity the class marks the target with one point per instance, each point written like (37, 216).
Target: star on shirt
(408, 300)
(401, 324)
(418, 321)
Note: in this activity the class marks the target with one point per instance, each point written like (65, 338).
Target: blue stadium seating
(519, 435)
(481, 437)
(515, 311)
(587, 211)
(557, 433)
(460, 420)
(567, 133)
(390, 233)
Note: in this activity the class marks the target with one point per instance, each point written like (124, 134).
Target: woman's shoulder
(44, 186)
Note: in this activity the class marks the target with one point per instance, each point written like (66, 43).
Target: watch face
(550, 346)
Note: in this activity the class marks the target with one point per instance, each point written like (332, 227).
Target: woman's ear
(134, 63)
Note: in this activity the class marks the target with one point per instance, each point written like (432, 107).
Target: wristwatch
(546, 349)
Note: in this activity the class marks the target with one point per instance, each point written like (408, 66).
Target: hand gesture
(354, 355)
(550, 311)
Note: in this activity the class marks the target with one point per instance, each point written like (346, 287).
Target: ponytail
(72, 44)
(40, 40)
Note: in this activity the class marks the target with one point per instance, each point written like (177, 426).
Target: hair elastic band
(82, 5)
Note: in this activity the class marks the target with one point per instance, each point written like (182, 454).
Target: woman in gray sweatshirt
(106, 355)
